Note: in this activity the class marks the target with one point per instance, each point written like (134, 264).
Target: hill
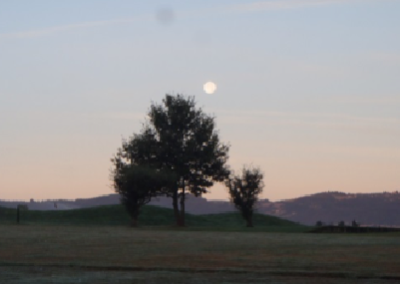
(194, 205)
(151, 216)
(329, 207)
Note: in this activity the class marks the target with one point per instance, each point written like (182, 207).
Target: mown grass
(116, 215)
(59, 254)
(96, 245)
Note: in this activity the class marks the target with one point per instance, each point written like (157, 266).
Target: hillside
(194, 205)
(332, 207)
(151, 216)
(329, 207)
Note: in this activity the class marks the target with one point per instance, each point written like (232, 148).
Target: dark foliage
(244, 191)
(179, 138)
(138, 184)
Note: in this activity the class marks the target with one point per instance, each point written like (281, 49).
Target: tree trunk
(134, 221)
(176, 209)
(249, 222)
(182, 219)
(17, 214)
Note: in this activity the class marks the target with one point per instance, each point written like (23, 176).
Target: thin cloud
(331, 120)
(367, 101)
(64, 28)
(83, 116)
(248, 7)
(131, 116)
(282, 5)
(386, 57)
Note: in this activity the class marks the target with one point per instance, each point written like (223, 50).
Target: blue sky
(308, 90)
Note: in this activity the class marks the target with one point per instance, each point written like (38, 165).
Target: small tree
(319, 224)
(137, 185)
(244, 191)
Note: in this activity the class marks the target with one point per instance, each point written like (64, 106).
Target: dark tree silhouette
(179, 138)
(138, 184)
(244, 191)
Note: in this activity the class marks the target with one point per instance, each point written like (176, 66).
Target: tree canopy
(138, 184)
(180, 138)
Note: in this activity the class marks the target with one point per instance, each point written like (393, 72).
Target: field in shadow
(96, 245)
(62, 253)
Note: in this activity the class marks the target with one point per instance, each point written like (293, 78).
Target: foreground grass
(42, 275)
(59, 254)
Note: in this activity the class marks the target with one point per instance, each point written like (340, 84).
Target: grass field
(118, 254)
(96, 245)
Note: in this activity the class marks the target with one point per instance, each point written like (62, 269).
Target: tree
(179, 138)
(244, 191)
(137, 185)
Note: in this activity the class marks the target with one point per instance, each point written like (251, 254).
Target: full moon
(209, 88)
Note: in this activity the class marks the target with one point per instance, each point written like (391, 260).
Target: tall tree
(244, 191)
(179, 138)
(137, 185)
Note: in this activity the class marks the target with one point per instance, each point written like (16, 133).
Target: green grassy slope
(150, 216)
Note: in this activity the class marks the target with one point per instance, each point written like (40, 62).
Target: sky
(307, 90)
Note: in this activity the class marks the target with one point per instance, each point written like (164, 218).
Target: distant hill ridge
(328, 207)
(332, 207)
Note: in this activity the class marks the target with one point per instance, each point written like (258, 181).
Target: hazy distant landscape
(329, 207)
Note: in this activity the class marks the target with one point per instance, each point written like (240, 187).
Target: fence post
(17, 214)
(19, 208)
